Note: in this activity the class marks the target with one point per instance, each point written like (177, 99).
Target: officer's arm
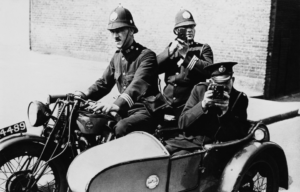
(163, 60)
(103, 85)
(143, 79)
(193, 108)
(195, 64)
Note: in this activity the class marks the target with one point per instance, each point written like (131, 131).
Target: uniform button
(124, 87)
(132, 47)
(137, 48)
(174, 98)
(122, 58)
(175, 85)
(124, 73)
(177, 73)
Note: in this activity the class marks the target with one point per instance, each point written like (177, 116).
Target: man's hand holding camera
(209, 100)
(179, 45)
(183, 48)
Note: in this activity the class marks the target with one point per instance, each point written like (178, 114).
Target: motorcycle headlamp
(261, 134)
(38, 113)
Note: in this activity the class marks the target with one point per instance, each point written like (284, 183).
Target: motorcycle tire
(15, 167)
(262, 174)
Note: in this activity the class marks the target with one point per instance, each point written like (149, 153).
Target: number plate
(16, 128)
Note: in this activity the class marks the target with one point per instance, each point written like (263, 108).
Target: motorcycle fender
(20, 139)
(247, 154)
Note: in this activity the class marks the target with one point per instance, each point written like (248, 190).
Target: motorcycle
(31, 163)
(93, 160)
(139, 162)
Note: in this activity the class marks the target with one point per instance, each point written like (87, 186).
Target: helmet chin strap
(125, 40)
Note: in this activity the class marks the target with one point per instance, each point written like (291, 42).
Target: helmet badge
(186, 15)
(222, 69)
(113, 16)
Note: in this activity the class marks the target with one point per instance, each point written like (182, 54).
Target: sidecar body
(139, 162)
(113, 165)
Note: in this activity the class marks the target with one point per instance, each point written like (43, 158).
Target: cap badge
(222, 69)
(186, 15)
(113, 16)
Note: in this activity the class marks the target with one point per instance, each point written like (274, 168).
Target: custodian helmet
(183, 18)
(121, 17)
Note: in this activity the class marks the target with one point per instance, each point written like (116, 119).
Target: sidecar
(138, 162)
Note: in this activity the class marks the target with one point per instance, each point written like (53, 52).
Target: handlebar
(53, 98)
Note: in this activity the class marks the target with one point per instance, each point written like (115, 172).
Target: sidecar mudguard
(235, 166)
(136, 162)
(18, 139)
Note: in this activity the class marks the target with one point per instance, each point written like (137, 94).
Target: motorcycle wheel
(16, 165)
(262, 175)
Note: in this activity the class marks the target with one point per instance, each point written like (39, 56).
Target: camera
(218, 91)
(181, 34)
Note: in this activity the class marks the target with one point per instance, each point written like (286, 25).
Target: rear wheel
(262, 175)
(16, 168)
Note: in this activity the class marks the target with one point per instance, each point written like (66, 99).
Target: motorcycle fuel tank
(136, 162)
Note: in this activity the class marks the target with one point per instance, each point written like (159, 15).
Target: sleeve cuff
(128, 99)
(192, 62)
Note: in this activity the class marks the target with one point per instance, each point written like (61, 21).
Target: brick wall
(236, 30)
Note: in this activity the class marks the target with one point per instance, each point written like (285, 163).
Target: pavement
(272, 111)
(267, 111)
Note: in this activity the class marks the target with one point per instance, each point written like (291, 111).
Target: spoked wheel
(16, 171)
(261, 175)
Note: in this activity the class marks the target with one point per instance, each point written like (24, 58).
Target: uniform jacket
(180, 80)
(208, 127)
(134, 71)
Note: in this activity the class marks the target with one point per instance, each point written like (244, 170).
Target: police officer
(212, 116)
(134, 69)
(182, 62)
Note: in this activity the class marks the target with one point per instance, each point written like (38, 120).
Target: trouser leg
(174, 151)
(139, 121)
